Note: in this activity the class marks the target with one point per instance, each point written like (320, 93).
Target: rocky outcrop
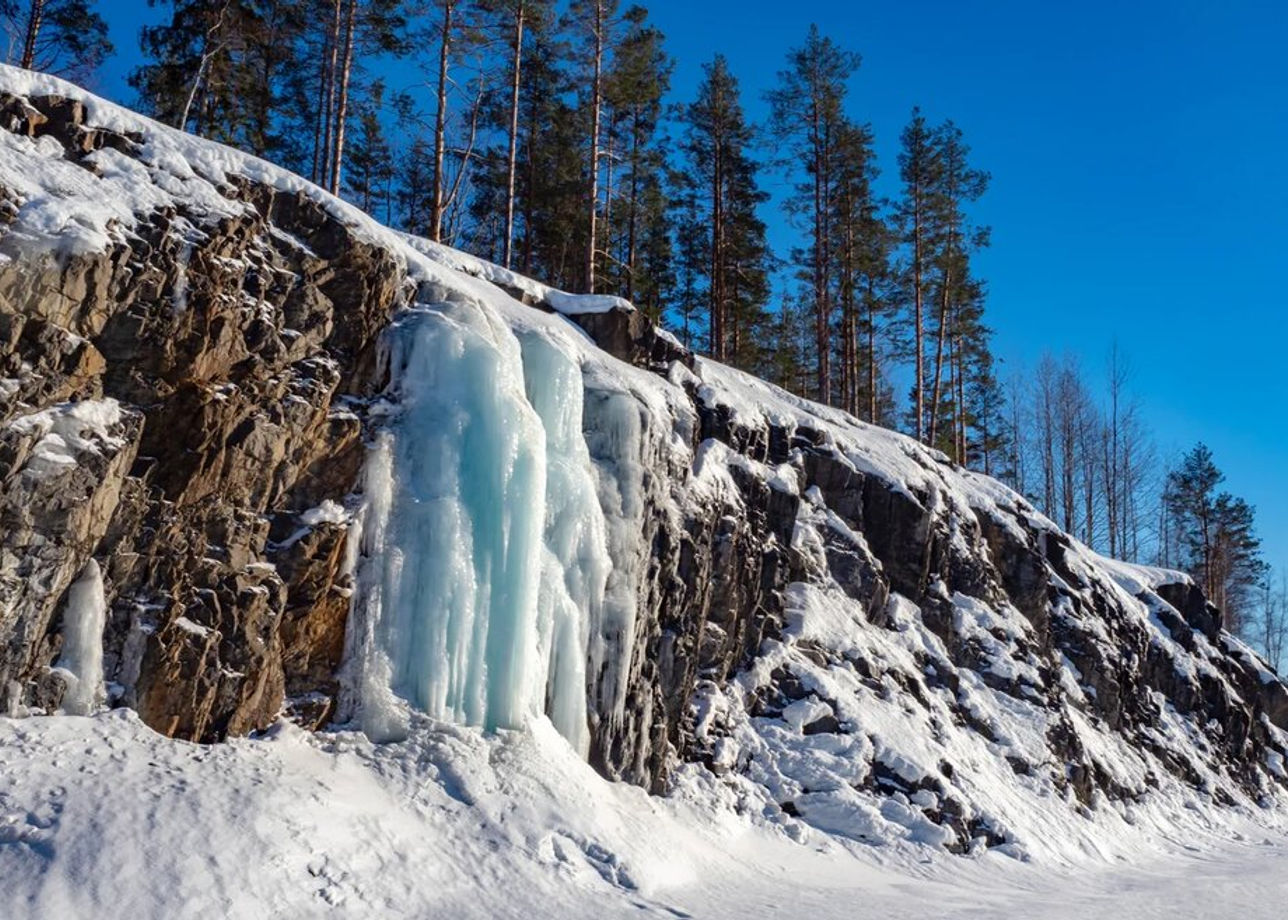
(821, 607)
(1000, 596)
(228, 349)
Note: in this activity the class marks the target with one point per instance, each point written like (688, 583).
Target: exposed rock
(230, 346)
(632, 337)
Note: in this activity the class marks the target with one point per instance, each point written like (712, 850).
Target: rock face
(224, 350)
(822, 607)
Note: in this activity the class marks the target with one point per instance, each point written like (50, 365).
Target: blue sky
(1137, 154)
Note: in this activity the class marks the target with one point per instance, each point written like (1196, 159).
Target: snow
(574, 304)
(560, 301)
(100, 817)
(191, 628)
(81, 663)
(63, 431)
(329, 512)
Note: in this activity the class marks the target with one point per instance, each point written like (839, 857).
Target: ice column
(575, 563)
(480, 552)
(458, 617)
(81, 662)
(618, 440)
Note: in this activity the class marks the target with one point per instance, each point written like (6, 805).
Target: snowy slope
(858, 671)
(102, 818)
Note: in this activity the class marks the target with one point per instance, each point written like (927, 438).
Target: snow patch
(65, 431)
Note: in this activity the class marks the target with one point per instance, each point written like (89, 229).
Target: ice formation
(575, 562)
(81, 663)
(484, 555)
(616, 432)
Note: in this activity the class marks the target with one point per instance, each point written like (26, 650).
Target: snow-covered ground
(99, 817)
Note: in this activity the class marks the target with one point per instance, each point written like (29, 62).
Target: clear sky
(1137, 151)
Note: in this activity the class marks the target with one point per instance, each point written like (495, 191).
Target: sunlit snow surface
(100, 818)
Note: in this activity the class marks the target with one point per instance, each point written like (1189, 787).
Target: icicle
(576, 563)
(366, 694)
(81, 663)
(618, 441)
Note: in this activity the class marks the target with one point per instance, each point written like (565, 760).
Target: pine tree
(64, 37)
(596, 21)
(1217, 535)
(635, 83)
(791, 342)
(861, 249)
(194, 76)
(370, 158)
(271, 61)
(691, 263)
(805, 119)
(984, 438)
(446, 36)
(730, 250)
(747, 270)
(654, 255)
(551, 189)
(515, 21)
(230, 71)
(413, 187)
(920, 170)
(952, 239)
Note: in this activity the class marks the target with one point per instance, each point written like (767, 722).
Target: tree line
(544, 136)
(67, 37)
(1082, 452)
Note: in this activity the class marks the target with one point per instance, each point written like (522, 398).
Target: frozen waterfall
(480, 551)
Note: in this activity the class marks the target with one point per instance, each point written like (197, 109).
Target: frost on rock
(81, 663)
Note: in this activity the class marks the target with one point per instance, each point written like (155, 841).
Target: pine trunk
(960, 377)
(823, 382)
(849, 325)
(935, 394)
(35, 18)
(596, 104)
(610, 177)
(632, 213)
(513, 162)
(332, 64)
(717, 249)
(872, 352)
(440, 125)
(342, 104)
(918, 340)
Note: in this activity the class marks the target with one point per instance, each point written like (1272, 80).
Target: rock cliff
(193, 364)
